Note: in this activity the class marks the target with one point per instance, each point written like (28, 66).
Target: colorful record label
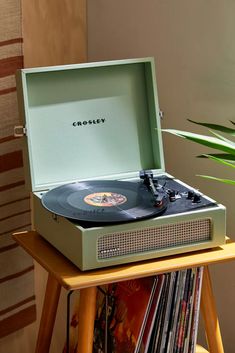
(105, 199)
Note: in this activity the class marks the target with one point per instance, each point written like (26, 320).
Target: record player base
(62, 273)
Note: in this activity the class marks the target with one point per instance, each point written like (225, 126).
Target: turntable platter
(104, 201)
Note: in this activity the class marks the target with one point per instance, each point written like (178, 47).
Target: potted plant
(225, 146)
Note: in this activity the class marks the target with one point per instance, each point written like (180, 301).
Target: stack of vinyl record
(149, 315)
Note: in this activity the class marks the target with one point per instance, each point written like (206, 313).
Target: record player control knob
(172, 195)
(190, 194)
(196, 198)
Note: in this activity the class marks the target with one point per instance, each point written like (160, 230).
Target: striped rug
(17, 300)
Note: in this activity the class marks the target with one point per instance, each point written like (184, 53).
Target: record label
(105, 199)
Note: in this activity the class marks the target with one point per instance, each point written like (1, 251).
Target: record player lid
(90, 121)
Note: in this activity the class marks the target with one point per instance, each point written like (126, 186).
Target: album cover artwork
(121, 312)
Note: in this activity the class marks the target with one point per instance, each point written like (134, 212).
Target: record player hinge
(161, 114)
(55, 217)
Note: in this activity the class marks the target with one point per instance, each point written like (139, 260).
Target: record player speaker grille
(154, 238)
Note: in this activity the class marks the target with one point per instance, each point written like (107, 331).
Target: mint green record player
(101, 121)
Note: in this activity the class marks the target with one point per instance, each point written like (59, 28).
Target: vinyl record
(102, 201)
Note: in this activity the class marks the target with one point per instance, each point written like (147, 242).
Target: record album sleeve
(121, 311)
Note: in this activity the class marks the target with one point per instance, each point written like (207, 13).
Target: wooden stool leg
(49, 310)
(86, 318)
(209, 313)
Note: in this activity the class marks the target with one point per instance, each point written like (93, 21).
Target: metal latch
(19, 131)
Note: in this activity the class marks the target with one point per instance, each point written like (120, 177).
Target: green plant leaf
(208, 141)
(225, 156)
(220, 128)
(225, 181)
(222, 137)
(220, 160)
(217, 142)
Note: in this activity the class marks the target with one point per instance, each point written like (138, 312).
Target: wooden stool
(62, 273)
(200, 349)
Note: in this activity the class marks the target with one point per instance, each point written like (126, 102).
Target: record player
(95, 166)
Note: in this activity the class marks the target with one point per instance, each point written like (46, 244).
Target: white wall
(194, 49)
